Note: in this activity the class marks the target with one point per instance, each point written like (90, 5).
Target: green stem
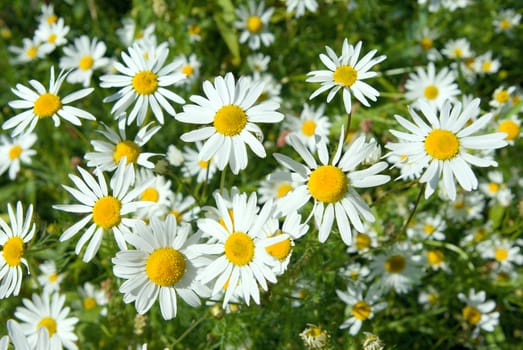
(409, 219)
(189, 330)
(222, 179)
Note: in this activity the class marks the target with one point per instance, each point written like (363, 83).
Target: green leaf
(225, 23)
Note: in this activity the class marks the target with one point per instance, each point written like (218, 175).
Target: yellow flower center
(501, 254)
(395, 264)
(502, 96)
(150, 195)
(457, 52)
(511, 128)
(32, 52)
(165, 266)
(46, 105)
(327, 184)
(429, 229)
(52, 38)
(435, 257)
(106, 212)
(486, 66)
(480, 234)
(459, 204)
(281, 249)
(194, 29)
(145, 82)
(188, 70)
(89, 303)
(493, 187)
(86, 62)
(204, 164)
(361, 310)
(516, 99)
(177, 215)
(431, 92)
(52, 19)
(471, 314)
(362, 241)
(53, 277)
(505, 24)
(469, 62)
(441, 144)
(15, 152)
(308, 127)
(239, 248)
(432, 298)
(426, 43)
(13, 251)
(49, 323)
(254, 24)
(283, 189)
(230, 120)
(127, 149)
(345, 75)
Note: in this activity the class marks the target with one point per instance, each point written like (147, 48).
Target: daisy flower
(253, 22)
(108, 154)
(52, 35)
(430, 227)
(429, 298)
(506, 20)
(347, 72)
(174, 156)
(203, 170)
(158, 193)
(436, 260)
(501, 97)
(301, 6)
(364, 241)
(143, 82)
(398, 268)
(160, 267)
(20, 341)
(240, 261)
(30, 51)
(183, 208)
(105, 209)
(12, 239)
(431, 87)
(194, 32)
(258, 62)
(188, 66)
(496, 188)
(355, 273)
(47, 310)
(47, 14)
(15, 151)
(479, 312)
(41, 103)
(426, 43)
(314, 337)
(49, 278)
(457, 49)
(83, 58)
(442, 146)
(504, 252)
(512, 127)
(485, 64)
(361, 308)
(466, 207)
(92, 297)
(130, 34)
(311, 126)
(332, 185)
(273, 188)
(231, 107)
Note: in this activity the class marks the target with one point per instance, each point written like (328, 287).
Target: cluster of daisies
(170, 246)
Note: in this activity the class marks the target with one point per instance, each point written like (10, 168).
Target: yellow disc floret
(239, 248)
(308, 127)
(165, 266)
(254, 24)
(145, 82)
(426, 43)
(188, 70)
(32, 52)
(15, 152)
(471, 314)
(361, 310)
(150, 194)
(345, 75)
(89, 303)
(230, 120)
(127, 149)
(13, 251)
(86, 62)
(283, 189)
(511, 128)
(49, 323)
(395, 264)
(501, 254)
(327, 184)
(46, 105)
(280, 250)
(431, 92)
(442, 144)
(363, 241)
(435, 257)
(106, 212)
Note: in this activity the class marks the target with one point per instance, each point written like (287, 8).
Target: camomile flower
(174, 156)
(486, 64)
(143, 81)
(161, 267)
(232, 109)
(301, 6)
(202, 170)
(183, 208)
(49, 278)
(31, 50)
(331, 185)
(12, 239)
(360, 308)
(258, 62)
(426, 43)
(364, 241)
(91, 297)
(52, 35)
(432, 87)
(14, 151)
(435, 259)
(479, 312)
(108, 154)
(20, 341)
(430, 227)
(314, 337)
(130, 34)
(355, 273)
(194, 32)
(271, 87)
(476, 234)
(253, 21)
(496, 188)
(457, 49)
(503, 251)
(347, 73)
(274, 188)
(106, 210)
(47, 14)
(512, 127)
(429, 298)
(240, 260)
(83, 58)
(48, 311)
(41, 103)
(398, 268)
(311, 126)
(506, 21)
(501, 97)
(442, 146)
(189, 66)
(466, 207)
(158, 193)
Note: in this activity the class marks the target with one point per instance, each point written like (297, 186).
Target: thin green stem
(409, 219)
(222, 179)
(189, 330)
